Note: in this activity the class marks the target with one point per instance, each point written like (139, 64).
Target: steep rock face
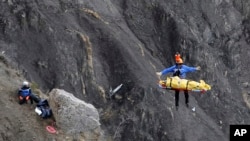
(86, 47)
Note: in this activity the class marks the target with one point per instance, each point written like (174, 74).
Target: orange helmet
(177, 56)
(178, 59)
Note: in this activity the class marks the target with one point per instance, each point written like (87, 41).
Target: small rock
(10, 2)
(118, 97)
(245, 84)
(193, 109)
(220, 122)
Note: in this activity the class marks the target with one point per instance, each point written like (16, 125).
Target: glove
(198, 68)
(159, 75)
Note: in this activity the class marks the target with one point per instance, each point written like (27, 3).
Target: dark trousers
(177, 97)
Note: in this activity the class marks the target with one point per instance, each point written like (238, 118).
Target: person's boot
(177, 107)
(21, 102)
(187, 105)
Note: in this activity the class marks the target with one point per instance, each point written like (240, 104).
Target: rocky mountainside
(87, 47)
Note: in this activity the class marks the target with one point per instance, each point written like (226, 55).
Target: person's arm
(168, 70)
(30, 92)
(190, 69)
(165, 71)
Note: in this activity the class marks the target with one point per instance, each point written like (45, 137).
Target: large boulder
(74, 116)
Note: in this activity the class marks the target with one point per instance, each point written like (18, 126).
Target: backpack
(43, 107)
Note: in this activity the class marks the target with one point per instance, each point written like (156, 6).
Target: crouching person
(25, 94)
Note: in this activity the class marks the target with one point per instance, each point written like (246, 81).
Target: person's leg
(176, 98)
(31, 100)
(35, 98)
(21, 101)
(186, 97)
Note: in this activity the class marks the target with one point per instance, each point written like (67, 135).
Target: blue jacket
(25, 91)
(183, 70)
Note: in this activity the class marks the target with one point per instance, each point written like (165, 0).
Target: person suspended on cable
(179, 70)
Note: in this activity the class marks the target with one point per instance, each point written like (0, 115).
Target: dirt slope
(20, 122)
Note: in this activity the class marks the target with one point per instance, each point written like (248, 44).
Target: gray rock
(245, 84)
(73, 115)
